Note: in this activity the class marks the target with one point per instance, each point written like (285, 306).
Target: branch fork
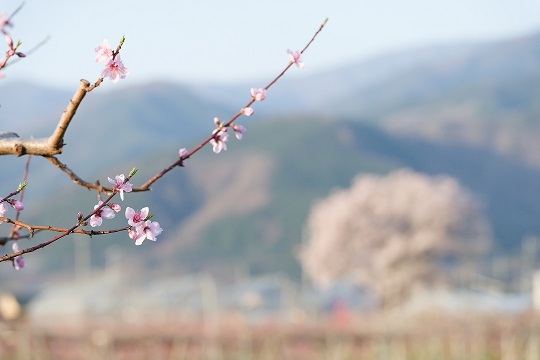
(53, 144)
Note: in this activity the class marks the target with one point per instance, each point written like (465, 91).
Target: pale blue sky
(224, 41)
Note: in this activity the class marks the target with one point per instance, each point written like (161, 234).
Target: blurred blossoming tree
(393, 234)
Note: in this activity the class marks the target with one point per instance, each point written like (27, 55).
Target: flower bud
(9, 41)
(16, 204)
(247, 111)
(24, 183)
(132, 234)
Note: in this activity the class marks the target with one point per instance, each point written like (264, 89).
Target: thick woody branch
(19, 147)
(53, 144)
(56, 140)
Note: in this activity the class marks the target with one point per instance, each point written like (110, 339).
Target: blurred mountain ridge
(469, 111)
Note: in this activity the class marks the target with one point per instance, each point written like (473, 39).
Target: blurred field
(340, 336)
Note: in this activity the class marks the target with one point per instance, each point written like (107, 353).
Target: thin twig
(29, 52)
(77, 180)
(21, 195)
(32, 229)
(16, 11)
(65, 233)
(180, 161)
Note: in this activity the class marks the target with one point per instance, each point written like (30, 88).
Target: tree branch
(53, 144)
(32, 229)
(56, 140)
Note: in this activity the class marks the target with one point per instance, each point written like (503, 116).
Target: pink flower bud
(9, 41)
(16, 204)
(115, 207)
(247, 111)
(18, 262)
(258, 94)
(132, 234)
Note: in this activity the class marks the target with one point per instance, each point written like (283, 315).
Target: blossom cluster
(141, 228)
(114, 68)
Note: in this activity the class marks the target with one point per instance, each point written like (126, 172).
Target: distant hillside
(110, 126)
(488, 97)
(478, 94)
(312, 157)
(316, 92)
(245, 208)
(467, 111)
(484, 94)
(29, 105)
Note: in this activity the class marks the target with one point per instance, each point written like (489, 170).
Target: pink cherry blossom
(104, 52)
(219, 141)
(147, 230)
(258, 94)
(18, 262)
(295, 58)
(119, 185)
(247, 111)
(115, 70)
(136, 218)
(104, 212)
(239, 130)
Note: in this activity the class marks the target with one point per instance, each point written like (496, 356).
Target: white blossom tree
(393, 233)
